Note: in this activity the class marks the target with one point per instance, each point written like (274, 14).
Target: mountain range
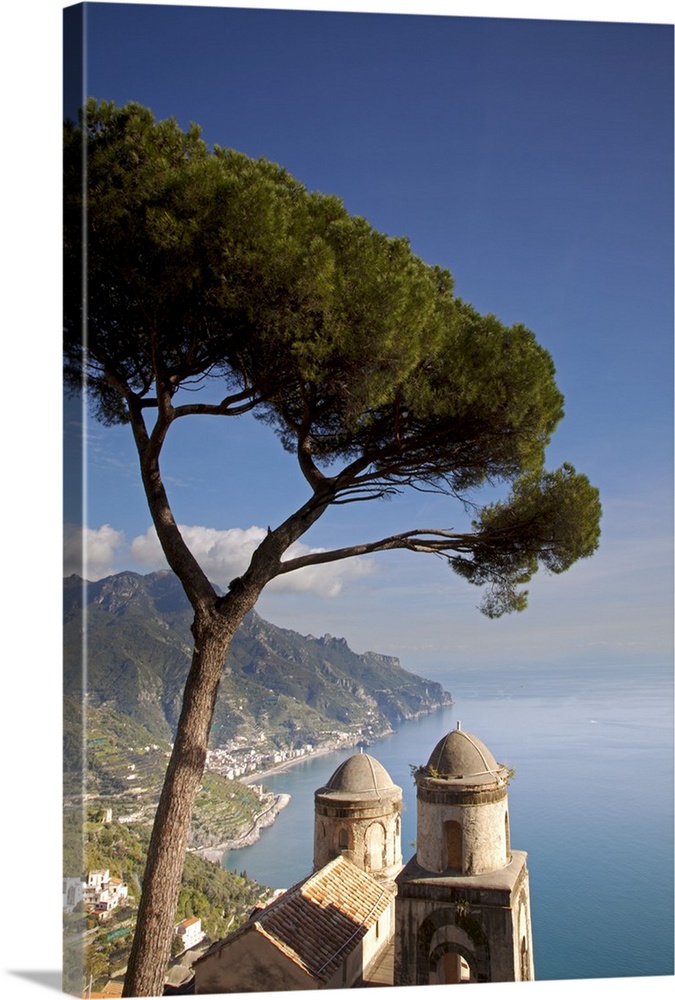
(296, 689)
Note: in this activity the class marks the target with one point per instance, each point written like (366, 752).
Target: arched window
(376, 847)
(524, 961)
(523, 934)
(451, 963)
(453, 844)
(343, 840)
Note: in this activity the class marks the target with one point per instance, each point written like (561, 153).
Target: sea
(591, 802)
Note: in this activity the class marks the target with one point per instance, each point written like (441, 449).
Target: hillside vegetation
(295, 689)
(222, 899)
(281, 694)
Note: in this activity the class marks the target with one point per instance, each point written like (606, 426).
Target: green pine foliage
(206, 266)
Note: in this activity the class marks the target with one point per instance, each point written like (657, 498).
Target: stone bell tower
(358, 814)
(463, 902)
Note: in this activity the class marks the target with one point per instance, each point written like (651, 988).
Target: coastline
(265, 819)
(268, 816)
(256, 776)
(281, 800)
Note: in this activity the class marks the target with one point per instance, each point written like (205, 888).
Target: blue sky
(534, 160)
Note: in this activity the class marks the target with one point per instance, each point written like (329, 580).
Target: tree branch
(308, 467)
(179, 557)
(223, 409)
(434, 540)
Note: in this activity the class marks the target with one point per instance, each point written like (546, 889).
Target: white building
(190, 932)
(103, 893)
(97, 879)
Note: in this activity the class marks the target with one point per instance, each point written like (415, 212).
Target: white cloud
(91, 552)
(226, 554)
(325, 580)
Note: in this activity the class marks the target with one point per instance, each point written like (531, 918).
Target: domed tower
(357, 814)
(462, 808)
(463, 908)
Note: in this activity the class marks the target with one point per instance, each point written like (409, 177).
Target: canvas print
(368, 580)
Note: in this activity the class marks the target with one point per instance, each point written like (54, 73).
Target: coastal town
(259, 731)
(111, 915)
(244, 756)
(101, 893)
(104, 905)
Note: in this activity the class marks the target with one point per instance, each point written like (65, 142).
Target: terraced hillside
(124, 773)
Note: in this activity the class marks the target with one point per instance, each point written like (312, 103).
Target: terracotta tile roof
(189, 921)
(110, 990)
(318, 921)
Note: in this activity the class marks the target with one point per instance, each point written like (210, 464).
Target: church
(458, 911)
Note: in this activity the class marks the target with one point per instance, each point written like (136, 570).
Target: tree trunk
(216, 621)
(150, 951)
